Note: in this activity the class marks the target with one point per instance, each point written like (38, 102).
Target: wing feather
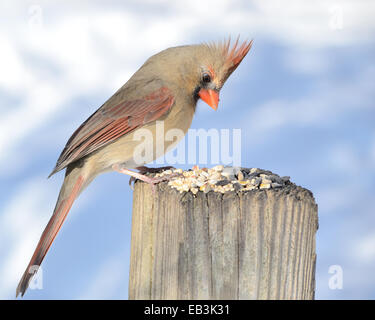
(112, 121)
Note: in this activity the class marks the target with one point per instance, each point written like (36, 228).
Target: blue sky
(303, 99)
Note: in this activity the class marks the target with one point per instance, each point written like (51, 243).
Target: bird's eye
(206, 78)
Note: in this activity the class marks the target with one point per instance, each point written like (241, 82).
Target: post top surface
(220, 179)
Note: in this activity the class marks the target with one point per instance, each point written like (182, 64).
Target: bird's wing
(114, 119)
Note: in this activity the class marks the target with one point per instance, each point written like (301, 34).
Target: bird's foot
(152, 181)
(147, 170)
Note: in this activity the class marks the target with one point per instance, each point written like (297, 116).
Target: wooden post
(258, 244)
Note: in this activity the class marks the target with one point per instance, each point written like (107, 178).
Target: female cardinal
(166, 88)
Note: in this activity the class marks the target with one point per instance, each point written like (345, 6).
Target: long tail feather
(73, 184)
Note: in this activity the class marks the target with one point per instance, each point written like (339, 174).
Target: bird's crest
(232, 54)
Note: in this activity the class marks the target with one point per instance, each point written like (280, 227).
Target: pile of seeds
(222, 179)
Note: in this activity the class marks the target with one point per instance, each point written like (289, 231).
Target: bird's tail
(75, 181)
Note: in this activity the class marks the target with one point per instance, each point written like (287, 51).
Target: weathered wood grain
(258, 244)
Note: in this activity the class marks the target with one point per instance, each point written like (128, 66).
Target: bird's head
(217, 64)
(200, 71)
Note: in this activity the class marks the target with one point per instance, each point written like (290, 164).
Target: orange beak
(211, 97)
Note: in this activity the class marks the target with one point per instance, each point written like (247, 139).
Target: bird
(165, 88)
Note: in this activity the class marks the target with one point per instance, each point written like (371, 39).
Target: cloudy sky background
(304, 99)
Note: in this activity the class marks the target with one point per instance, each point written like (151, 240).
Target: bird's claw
(132, 180)
(152, 181)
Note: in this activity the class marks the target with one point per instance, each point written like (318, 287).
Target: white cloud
(309, 24)
(13, 69)
(39, 105)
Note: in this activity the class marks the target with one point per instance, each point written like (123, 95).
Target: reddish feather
(113, 121)
(234, 56)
